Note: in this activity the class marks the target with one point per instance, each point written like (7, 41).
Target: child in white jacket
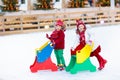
(84, 37)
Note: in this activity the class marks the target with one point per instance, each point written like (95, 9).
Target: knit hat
(79, 22)
(59, 23)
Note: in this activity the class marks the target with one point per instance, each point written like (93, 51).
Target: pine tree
(45, 4)
(104, 2)
(76, 3)
(10, 5)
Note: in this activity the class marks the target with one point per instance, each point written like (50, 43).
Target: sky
(17, 53)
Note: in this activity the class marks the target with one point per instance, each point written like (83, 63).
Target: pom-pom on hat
(59, 23)
(79, 22)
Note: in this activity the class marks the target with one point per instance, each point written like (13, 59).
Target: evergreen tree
(76, 3)
(45, 4)
(10, 5)
(104, 2)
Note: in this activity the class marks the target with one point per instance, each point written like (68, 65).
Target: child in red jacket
(58, 40)
(84, 37)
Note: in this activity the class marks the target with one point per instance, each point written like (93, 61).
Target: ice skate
(102, 64)
(61, 67)
(100, 59)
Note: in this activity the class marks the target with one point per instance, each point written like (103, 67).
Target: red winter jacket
(58, 37)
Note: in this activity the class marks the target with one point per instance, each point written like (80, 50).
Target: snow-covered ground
(17, 53)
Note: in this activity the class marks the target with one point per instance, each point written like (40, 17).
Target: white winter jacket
(89, 36)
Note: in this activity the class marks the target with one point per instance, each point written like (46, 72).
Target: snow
(17, 53)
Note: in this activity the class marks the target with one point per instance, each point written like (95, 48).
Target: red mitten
(52, 43)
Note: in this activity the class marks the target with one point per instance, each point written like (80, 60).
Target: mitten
(52, 43)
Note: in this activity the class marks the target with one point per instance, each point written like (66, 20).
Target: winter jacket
(58, 39)
(88, 36)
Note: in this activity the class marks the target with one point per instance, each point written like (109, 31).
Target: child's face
(81, 28)
(58, 27)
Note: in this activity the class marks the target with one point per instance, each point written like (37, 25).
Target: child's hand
(52, 43)
(89, 42)
(72, 49)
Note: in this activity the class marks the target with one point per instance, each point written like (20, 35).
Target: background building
(51, 4)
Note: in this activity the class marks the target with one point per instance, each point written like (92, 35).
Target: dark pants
(90, 2)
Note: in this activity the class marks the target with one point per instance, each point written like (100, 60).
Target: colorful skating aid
(81, 61)
(84, 54)
(43, 59)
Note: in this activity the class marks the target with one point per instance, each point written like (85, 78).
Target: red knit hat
(79, 22)
(59, 23)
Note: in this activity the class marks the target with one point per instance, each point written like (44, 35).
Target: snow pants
(59, 56)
